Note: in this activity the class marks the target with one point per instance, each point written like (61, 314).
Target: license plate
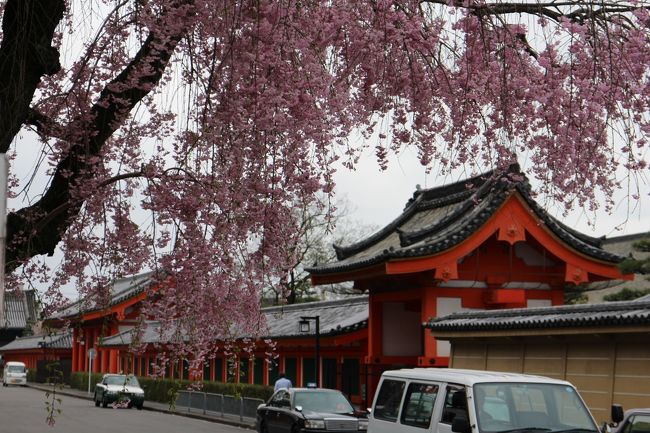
(15, 380)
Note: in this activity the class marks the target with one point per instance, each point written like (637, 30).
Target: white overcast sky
(376, 198)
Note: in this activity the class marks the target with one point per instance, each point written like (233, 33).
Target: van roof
(14, 363)
(467, 377)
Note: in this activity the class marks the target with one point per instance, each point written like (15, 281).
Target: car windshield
(527, 407)
(323, 401)
(15, 369)
(121, 380)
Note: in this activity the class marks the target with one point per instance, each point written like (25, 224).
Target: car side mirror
(299, 408)
(460, 425)
(605, 428)
(369, 410)
(617, 413)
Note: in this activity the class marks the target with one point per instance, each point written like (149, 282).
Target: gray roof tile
(121, 290)
(336, 317)
(566, 316)
(60, 340)
(20, 309)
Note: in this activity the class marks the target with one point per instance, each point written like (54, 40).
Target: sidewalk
(233, 420)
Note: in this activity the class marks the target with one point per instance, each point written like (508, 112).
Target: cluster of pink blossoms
(204, 123)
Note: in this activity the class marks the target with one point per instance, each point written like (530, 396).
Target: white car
(14, 373)
(440, 400)
(119, 388)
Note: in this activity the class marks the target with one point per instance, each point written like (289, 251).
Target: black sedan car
(309, 410)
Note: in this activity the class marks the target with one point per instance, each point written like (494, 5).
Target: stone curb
(82, 395)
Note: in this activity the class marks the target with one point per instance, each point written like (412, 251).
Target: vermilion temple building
(482, 243)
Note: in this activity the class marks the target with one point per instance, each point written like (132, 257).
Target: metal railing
(218, 404)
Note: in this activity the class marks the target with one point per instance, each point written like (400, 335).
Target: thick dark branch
(26, 54)
(572, 10)
(27, 234)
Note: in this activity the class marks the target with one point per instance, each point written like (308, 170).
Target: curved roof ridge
(422, 199)
(493, 185)
(343, 252)
(470, 183)
(581, 242)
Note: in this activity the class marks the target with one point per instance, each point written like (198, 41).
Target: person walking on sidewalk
(282, 382)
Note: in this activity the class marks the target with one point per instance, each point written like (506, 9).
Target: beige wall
(605, 369)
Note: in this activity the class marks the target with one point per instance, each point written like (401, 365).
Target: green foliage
(626, 295)
(31, 375)
(79, 380)
(643, 245)
(575, 297)
(166, 390)
(634, 266)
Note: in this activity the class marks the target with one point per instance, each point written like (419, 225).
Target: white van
(442, 400)
(14, 373)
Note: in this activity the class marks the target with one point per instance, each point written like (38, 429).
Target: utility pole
(4, 174)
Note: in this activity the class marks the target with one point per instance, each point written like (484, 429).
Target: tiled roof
(566, 316)
(336, 317)
(121, 290)
(438, 219)
(20, 309)
(61, 340)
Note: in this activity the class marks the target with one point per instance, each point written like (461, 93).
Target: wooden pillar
(428, 310)
(97, 361)
(375, 319)
(299, 360)
(85, 348)
(104, 366)
(112, 361)
(75, 348)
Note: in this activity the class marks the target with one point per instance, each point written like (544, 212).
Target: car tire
(95, 400)
(139, 407)
(263, 428)
(104, 403)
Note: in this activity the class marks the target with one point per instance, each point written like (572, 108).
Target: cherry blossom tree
(218, 117)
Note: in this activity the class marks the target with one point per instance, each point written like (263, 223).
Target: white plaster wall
(402, 330)
(532, 303)
(444, 307)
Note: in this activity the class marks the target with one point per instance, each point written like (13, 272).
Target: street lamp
(304, 329)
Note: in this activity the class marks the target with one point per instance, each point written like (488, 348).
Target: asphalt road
(22, 410)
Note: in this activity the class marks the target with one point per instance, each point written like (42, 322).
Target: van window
(418, 404)
(16, 368)
(455, 404)
(388, 400)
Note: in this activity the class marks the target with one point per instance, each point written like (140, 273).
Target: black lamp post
(304, 328)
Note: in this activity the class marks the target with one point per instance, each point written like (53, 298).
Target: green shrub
(626, 295)
(79, 380)
(31, 375)
(162, 390)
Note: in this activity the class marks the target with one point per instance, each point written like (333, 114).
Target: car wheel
(139, 407)
(295, 429)
(104, 403)
(263, 428)
(95, 400)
